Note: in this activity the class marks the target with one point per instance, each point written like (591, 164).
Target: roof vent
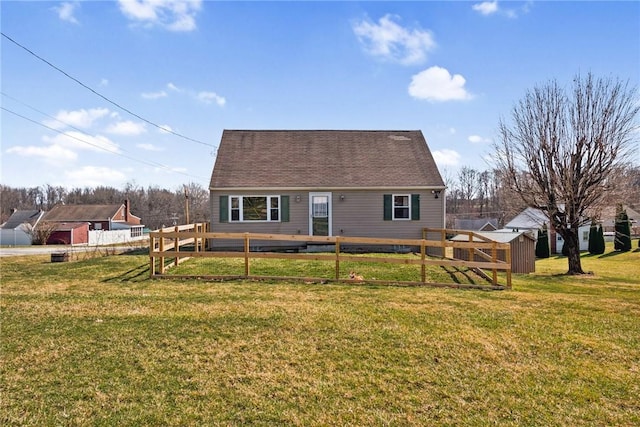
(399, 138)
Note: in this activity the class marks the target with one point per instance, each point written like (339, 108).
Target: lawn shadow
(132, 275)
(610, 254)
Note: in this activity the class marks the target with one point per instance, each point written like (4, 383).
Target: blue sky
(450, 69)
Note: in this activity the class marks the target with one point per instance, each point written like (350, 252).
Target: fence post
(423, 267)
(152, 248)
(508, 249)
(161, 250)
(494, 259)
(246, 254)
(337, 257)
(443, 239)
(176, 247)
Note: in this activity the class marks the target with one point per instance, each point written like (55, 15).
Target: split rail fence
(165, 245)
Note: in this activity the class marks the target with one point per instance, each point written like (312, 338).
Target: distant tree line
(157, 207)
(473, 193)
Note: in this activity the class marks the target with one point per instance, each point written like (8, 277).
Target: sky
(109, 93)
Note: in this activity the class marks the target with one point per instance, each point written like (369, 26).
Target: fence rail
(167, 243)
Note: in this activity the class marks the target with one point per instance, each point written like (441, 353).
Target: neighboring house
(478, 224)
(522, 244)
(69, 233)
(17, 229)
(326, 183)
(101, 217)
(106, 223)
(532, 219)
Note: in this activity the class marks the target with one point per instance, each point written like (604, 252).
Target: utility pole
(186, 205)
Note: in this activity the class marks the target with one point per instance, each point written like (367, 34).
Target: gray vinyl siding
(359, 213)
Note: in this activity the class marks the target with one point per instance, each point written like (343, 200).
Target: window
(254, 208)
(585, 236)
(136, 231)
(401, 206)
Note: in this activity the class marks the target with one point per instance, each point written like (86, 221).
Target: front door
(320, 214)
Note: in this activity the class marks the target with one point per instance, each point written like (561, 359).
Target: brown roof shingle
(74, 213)
(324, 159)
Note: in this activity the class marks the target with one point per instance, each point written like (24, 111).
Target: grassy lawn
(95, 342)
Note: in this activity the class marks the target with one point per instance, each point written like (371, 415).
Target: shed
(522, 244)
(69, 233)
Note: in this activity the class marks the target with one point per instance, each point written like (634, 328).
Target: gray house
(17, 230)
(326, 183)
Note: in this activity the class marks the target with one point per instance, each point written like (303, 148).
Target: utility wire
(104, 97)
(148, 163)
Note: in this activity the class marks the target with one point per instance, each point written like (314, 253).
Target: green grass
(95, 342)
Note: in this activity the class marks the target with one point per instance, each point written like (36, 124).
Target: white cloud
(437, 84)
(173, 15)
(477, 139)
(486, 7)
(446, 157)
(209, 97)
(390, 41)
(104, 82)
(83, 119)
(173, 87)
(150, 147)
(92, 176)
(127, 128)
(81, 141)
(66, 11)
(50, 153)
(155, 95)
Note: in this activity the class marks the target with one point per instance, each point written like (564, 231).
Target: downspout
(444, 208)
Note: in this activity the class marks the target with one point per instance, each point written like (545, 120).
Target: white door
(320, 214)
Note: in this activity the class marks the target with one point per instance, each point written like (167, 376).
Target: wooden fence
(166, 244)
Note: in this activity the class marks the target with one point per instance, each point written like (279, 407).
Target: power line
(148, 163)
(104, 97)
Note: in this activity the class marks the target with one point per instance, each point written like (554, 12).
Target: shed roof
(20, 217)
(74, 213)
(324, 159)
(68, 226)
(494, 236)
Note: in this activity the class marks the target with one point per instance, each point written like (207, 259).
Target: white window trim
(393, 207)
(241, 215)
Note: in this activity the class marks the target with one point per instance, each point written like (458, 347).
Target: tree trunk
(573, 251)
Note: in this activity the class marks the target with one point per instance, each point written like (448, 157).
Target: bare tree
(41, 232)
(468, 180)
(561, 145)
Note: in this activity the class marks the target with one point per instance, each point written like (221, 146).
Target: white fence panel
(110, 237)
(14, 238)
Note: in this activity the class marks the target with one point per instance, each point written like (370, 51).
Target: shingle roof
(75, 213)
(324, 159)
(475, 224)
(530, 218)
(20, 217)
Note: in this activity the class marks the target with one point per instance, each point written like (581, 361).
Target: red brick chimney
(126, 210)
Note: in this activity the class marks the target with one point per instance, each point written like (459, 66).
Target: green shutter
(284, 208)
(388, 207)
(224, 208)
(415, 207)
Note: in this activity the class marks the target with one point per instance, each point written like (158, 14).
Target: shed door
(320, 214)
